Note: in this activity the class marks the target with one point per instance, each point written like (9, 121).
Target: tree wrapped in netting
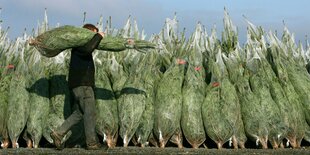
(193, 91)
(38, 98)
(150, 77)
(279, 59)
(5, 81)
(18, 102)
(221, 109)
(261, 88)
(168, 100)
(59, 97)
(132, 101)
(297, 72)
(107, 112)
(56, 40)
(168, 104)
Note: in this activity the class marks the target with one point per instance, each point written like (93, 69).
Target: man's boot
(57, 138)
(95, 146)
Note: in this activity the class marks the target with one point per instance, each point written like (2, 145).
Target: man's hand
(131, 42)
(102, 34)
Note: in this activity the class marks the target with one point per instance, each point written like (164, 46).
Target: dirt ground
(171, 149)
(154, 150)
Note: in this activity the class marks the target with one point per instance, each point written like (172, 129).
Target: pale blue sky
(151, 14)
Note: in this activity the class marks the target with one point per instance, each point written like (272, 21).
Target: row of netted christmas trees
(184, 89)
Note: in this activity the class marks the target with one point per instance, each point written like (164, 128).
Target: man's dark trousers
(84, 99)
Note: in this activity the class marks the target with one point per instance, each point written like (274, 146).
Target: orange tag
(197, 68)
(181, 61)
(215, 84)
(10, 66)
(130, 41)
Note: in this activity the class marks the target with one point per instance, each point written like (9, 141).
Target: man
(81, 82)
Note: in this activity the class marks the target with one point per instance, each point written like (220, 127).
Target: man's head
(91, 27)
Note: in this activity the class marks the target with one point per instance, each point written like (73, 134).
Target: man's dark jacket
(82, 68)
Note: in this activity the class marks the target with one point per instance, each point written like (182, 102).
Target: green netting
(292, 110)
(4, 99)
(279, 98)
(168, 103)
(18, 108)
(132, 100)
(193, 93)
(275, 124)
(54, 41)
(131, 105)
(221, 108)
(253, 117)
(107, 112)
(301, 82)
(39, 103)
(59, 99)
(150, 76)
